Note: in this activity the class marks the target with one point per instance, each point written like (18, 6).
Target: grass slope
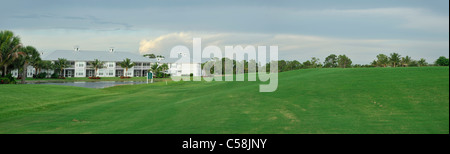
(364, 100)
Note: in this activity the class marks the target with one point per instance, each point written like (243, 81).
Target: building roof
(183, 60)
(84, 55)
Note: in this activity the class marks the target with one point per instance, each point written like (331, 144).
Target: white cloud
(164, 43)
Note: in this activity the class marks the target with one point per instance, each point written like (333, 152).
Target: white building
(79, 64)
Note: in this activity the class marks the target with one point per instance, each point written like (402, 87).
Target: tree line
(331, 61)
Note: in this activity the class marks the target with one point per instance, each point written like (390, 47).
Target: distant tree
(330, 61)
(267, 67)
(294, 65)
(394, 59)
(315, 62)
(422, 62)
(9, 49)
(441, 61)
(357, 66)
(374, 63)
(47, 65)
(30, 55)
(282, 67)
(151, 56)
(252, 66)
(307, 64)
(154, 68)
(344, 61)
(61, 64)
(164, 67)
(37, 64)
(97, 64)
(406, 61)
(382, 60)
(126, 63)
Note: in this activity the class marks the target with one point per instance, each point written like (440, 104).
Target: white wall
(80, 69)
(30, 72)
(108, 70)
(185, 69)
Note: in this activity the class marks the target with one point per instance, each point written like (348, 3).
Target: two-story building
(80, 64)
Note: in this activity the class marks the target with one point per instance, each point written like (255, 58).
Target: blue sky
(302, 29)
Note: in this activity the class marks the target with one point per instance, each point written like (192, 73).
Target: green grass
(363, 100)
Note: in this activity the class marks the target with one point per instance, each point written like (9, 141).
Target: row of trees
(396, 60)
(331, 61)
(14, 55)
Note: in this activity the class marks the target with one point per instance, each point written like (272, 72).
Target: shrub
(94, 77)
(8, 79)
(125, 77)
(4, 81)
(54, 76)
(41, 75)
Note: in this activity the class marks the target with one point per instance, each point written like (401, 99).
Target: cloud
(162, 44)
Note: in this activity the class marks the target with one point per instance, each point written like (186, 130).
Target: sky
(301, 29)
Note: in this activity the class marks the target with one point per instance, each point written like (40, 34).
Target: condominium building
(80, 64)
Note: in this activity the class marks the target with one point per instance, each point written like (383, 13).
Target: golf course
(410, 100)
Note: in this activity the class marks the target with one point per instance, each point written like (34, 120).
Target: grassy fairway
(363, 100)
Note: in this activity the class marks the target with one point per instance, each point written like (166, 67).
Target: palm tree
(406, 61)
(9, 49)
(382, 59)
(47, 65)
(164, 67)
(61, 64)
(422, 62)
(36, 62)
(394, 59)
(97, 64)
(126, 63)
(154, 68)
(30, 55)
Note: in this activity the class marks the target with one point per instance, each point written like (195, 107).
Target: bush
(95, 77)
(41, 75)
(125, 77)
(8, 79)
(161, 75)
(54, 76)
